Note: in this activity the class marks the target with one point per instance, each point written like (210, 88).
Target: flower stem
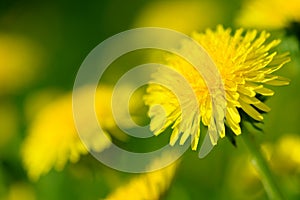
(262, 167)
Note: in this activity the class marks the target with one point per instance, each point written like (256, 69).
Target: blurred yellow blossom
(182, 16)
(246, 63)
(152, 185)
(271, 14)
(284, 155)
(19, 191)
(19, 62)
(53, 139)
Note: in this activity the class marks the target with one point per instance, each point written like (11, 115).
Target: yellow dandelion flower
(245, 62)
(53, 140)
(152, 185)
(269, 13)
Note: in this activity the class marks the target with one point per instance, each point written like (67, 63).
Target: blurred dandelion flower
(20, 59)
(152, 185)
(284, 155)
(20, 190)
(53, 140)
(271, 14)
(283, 158)
(192, 14)
(246, 63)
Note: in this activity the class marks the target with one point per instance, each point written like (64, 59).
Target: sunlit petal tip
(222, 133)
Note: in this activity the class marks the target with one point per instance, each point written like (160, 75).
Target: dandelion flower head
(245, 61)
(53, 140)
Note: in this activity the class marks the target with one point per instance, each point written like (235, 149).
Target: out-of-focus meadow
(42, 45)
